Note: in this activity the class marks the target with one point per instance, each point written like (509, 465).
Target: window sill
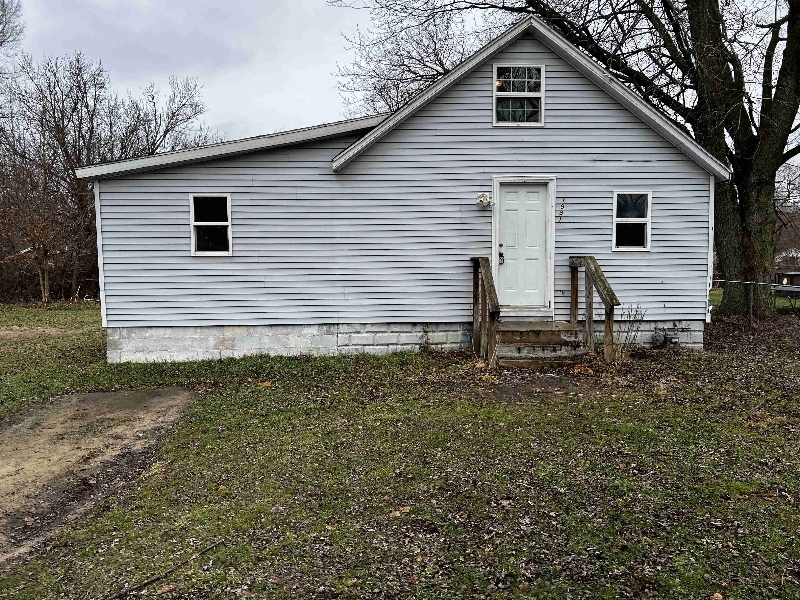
(212, 254)
(630, 249)
(517, 124)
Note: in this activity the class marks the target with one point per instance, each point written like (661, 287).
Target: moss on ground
(674, 474)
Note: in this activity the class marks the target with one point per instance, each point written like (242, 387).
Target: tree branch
(790, 154)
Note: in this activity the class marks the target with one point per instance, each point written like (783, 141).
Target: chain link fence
(781, 297)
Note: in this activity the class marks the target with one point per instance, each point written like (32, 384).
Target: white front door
(522, 269)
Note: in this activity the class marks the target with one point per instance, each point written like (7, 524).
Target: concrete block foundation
(181, 344)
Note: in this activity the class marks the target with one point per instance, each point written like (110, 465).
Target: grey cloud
(264, 65)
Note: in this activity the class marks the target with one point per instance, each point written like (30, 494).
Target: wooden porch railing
(595, 280)
(485, 310)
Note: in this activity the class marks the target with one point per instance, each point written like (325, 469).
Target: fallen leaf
(524, 587)
(717, 596)
(265, 384)
(400, 511)
(164, 589)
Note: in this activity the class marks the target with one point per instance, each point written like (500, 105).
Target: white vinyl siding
(388, 239)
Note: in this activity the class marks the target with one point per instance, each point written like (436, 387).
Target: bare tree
(11, 27)
(391, 66)
(727, 73)
(32, 223)
(62, 114)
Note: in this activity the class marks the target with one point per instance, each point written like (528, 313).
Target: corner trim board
(711, 202)
(100, 276)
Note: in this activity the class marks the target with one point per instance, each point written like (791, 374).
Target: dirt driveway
(58, 459)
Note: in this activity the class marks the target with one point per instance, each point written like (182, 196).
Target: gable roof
(262, 142)
(561, 46)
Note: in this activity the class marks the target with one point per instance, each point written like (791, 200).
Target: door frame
(545, 312)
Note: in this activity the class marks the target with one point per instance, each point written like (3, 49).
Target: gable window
(211, 225)
(632, 221)
(518, 95)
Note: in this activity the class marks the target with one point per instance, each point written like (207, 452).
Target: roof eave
(348, 154)
(561, 46)
(639, 107)
(226, 149)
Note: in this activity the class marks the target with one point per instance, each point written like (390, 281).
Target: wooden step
(537, 326)
(539, 341)
(534, 364)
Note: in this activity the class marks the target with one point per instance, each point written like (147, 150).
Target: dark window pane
(533, 110)
(534, 74)
(503, 110)
(632, 206)
(519, 110)
(503, 85)
(518, 86)
(518, 72)
(535, 86)
(210, 210)
(504, 72)
(631, 235)
(211, 238)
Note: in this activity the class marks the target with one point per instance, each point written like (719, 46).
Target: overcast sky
(265, 65)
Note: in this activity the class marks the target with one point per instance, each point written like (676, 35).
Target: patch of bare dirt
(16, 332)
(58, 459)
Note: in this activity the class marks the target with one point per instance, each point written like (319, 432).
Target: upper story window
(211, 225)
(632, 221)
(518, 95)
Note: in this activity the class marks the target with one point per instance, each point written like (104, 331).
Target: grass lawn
(780, 304)
(674, 475)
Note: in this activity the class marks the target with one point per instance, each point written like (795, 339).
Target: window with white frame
(632, 221)
(211, 225)
(518, 95)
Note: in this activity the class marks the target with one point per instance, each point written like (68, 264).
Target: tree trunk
(44, 283)
(760, 223)
(73, 291)
(719, 96)
(728, 235)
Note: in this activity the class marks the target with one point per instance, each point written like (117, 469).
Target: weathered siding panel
(389, 238)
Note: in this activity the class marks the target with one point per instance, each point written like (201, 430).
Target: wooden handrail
(485, 310)
(599, 280)
(485, 268)
(595, 280)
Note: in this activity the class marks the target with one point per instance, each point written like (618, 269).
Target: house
(358, 235)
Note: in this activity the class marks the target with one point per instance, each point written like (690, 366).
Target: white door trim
(549, 180)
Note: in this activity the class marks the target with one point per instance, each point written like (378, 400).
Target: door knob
(502, 259)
